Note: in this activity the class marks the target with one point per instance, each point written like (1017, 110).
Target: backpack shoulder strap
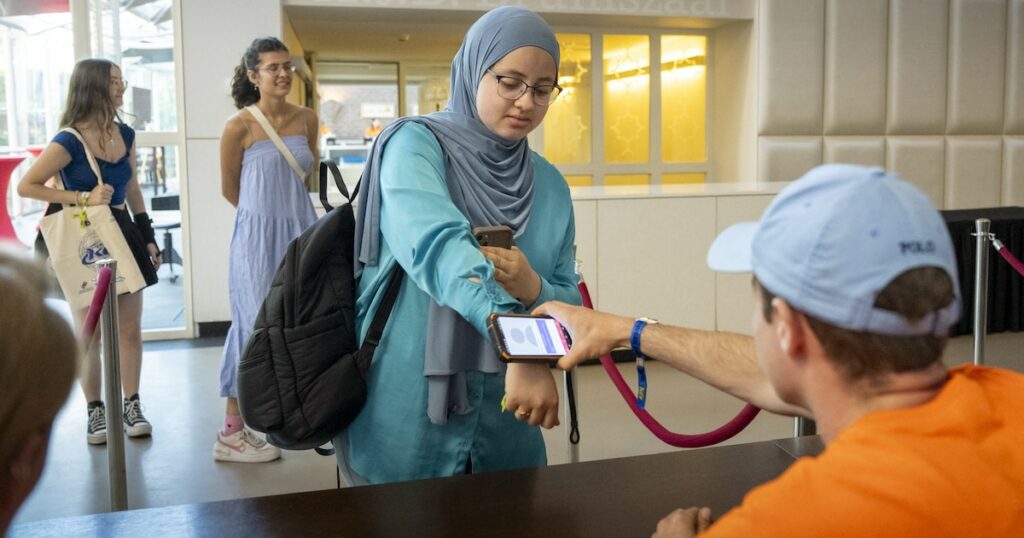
(330, 166)
(380, 319)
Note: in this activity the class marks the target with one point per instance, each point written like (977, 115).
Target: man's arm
(726, 361)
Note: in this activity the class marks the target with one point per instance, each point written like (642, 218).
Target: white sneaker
(244, 447)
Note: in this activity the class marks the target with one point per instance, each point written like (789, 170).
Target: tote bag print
(76, 244)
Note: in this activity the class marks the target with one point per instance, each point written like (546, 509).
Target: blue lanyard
(641, 371)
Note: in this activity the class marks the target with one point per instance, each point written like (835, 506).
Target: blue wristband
(641, 371)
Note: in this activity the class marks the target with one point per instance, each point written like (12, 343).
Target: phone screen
(528, 336)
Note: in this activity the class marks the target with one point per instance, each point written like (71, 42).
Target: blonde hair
(37, 353)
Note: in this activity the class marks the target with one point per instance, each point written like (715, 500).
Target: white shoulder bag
(258, 114)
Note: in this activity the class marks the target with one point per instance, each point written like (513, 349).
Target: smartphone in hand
(493, 236)
(526, 338)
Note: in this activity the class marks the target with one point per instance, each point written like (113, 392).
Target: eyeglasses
(512, 88)
(274, 69)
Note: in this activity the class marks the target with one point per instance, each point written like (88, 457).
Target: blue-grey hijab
(489, 178)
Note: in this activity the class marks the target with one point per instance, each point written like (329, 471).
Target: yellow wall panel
(627, 93)
(567, 127)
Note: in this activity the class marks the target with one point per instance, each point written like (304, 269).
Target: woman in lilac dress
(272, 208)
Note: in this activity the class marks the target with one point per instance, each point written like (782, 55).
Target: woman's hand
(101, 195)
(530, 393)
(154, 255)
(512, 270)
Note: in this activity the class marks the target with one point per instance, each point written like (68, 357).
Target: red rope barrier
(98, 298)
(1008, 256)
(727, 431)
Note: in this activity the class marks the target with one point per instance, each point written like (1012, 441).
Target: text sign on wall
(377, 110)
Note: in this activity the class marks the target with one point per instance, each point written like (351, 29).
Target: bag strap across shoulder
(88, 154)
(380, 318)
(265, 123)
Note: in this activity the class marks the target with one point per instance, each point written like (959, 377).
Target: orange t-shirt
(951, 467)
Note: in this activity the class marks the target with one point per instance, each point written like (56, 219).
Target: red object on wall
(7, 165)
(33, 7)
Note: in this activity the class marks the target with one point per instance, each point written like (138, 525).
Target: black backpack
(302, 376)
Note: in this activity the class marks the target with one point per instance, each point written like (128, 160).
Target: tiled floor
(179, 391)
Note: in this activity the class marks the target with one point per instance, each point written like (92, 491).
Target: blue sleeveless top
(78, 175)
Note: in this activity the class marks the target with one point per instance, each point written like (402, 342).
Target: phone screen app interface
(533, 336)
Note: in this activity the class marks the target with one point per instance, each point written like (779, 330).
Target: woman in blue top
(435, 384)
(272, 208)
(95, 92)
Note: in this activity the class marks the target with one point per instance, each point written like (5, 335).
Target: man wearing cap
(855, 289)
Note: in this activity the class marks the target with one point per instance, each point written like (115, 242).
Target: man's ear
(790, 328)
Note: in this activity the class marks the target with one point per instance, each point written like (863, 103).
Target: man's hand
(593, 333)
(684, 522)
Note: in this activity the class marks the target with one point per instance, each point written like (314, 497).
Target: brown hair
(913, 294)
(89, 95)
(37, 354)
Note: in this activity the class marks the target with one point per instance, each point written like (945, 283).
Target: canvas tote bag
(76, 242)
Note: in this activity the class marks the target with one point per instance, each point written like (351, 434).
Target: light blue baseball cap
(833, 239)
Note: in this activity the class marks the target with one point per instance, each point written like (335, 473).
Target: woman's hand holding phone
(531, 394)
(513, 271)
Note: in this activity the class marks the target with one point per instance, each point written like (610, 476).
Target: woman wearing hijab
(436, 386)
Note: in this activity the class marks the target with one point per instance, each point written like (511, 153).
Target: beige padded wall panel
(1013, 170)
(977, 61)
(917, 67)
(786, 158)
(974, 171)
(1015, 69)
(734, 301)
(791, 45)
(921, 161)
(866, 150)
(855, 64)
(672, 283)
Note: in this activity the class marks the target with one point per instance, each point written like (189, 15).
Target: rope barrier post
(569, 380)
(112, 388)
(804, 426)
(981, 288)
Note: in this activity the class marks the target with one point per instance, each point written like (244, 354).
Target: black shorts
(132, 236)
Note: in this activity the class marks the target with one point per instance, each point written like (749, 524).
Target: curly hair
(242, 90)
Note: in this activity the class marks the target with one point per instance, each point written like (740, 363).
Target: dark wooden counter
(619, 497)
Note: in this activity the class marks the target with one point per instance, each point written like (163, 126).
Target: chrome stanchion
(981, 288)
(112, 383)
(804, 426)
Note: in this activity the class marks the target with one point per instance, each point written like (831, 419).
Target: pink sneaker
(244, 447)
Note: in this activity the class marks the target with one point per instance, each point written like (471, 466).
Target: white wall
(214, 36)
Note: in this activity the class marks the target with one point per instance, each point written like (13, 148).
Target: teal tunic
(392, 439)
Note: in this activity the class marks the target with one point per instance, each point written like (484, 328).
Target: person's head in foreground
(37, 368)
(861, 258)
